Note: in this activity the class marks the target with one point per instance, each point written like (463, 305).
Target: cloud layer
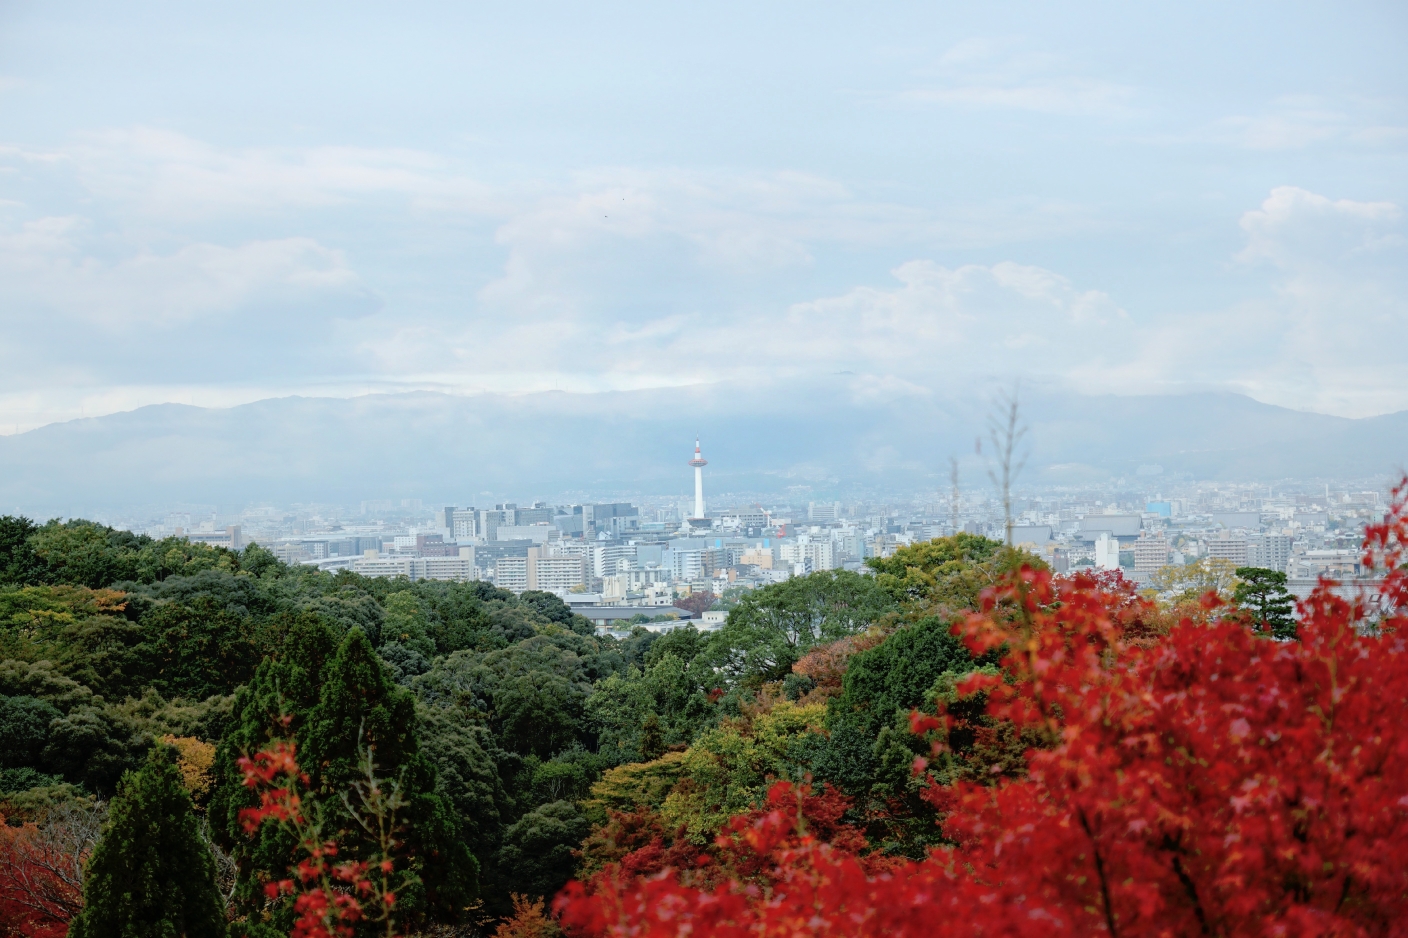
(924, 205)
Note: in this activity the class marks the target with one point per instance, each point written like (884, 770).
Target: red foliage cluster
(745, 860)
(1209, 782)
(36, 899)
(328, 895)
(636, 844)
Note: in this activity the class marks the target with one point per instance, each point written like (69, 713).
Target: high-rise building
(1270, 551)
(464, 523)
(511, 573)
(553, 573)
(1234, 549)
(819, 554)
(1151, 552)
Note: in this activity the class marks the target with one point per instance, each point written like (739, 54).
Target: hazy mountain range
(849, 438)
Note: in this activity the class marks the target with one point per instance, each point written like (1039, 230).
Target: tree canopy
(151, 875)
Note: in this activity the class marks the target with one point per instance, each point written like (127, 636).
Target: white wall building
(552, 573)
(457, 569)
(1107, 551)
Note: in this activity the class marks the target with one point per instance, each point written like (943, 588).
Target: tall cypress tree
(337, 698)
(151, 875)
(285, 686)
(360, 706)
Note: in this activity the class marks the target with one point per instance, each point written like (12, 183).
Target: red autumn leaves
(330, 897)
(1206, 781)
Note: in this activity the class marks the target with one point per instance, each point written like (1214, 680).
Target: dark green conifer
(335, 698)
(360, 706)
(151, 875)
(1263, 593)
(275, 704)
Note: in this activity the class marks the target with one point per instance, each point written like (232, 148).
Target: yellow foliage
(627, 787)
(1191, 581)
(195, 758)
(728, 770)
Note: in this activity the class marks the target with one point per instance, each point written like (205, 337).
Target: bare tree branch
(41, 868)
(1006, 431)
(954, 505)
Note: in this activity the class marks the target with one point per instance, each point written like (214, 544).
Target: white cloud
(984, 73)
(47, 269)
(159, 173)
(1293, 122)
(1006, 318)
(1295, 229)
(1329, 333)
(623, 277)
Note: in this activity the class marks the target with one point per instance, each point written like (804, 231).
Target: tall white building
(698, 462)
(464, 523)
(1107, 552)
(1272, 551)
(818, 554)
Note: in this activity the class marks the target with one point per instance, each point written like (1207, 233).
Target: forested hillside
(528, 749)
(202, 742)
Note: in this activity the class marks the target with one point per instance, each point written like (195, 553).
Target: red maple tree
(41, 869)
(331, 896)
(1203, 781)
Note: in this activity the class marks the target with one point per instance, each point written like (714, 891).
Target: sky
(218, 203)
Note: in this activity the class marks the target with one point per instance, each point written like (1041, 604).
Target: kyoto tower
(698, 462)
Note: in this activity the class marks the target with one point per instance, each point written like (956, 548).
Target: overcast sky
(215, 203)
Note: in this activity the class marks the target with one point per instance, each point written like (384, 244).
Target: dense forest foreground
(195, 741)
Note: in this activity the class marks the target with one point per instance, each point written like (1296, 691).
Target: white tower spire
(698, 462)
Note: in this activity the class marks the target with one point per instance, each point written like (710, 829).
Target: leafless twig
(1006, 431)
(43, 862)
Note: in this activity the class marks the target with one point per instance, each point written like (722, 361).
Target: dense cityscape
(619, 561)
(729, 470)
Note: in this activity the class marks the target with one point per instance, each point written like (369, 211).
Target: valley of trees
(958, 742)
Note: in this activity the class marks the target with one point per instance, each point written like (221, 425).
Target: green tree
(771, 628)
(1191, 581)
(24, 729)
(897, 675)
(151, 875)
(730, 768)
(83, 553)
(197, 650)
(947, 571)
(640, 712)
(1263, 593)
(18, 564)
(465, 773)
(406, 642)
(359, 706)
(335, 698)
(275, 703)
(539, 851)
(408, 622)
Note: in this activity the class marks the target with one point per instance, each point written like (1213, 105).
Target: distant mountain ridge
(462, 448)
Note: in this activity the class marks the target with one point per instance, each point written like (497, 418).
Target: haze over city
(754, 470)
